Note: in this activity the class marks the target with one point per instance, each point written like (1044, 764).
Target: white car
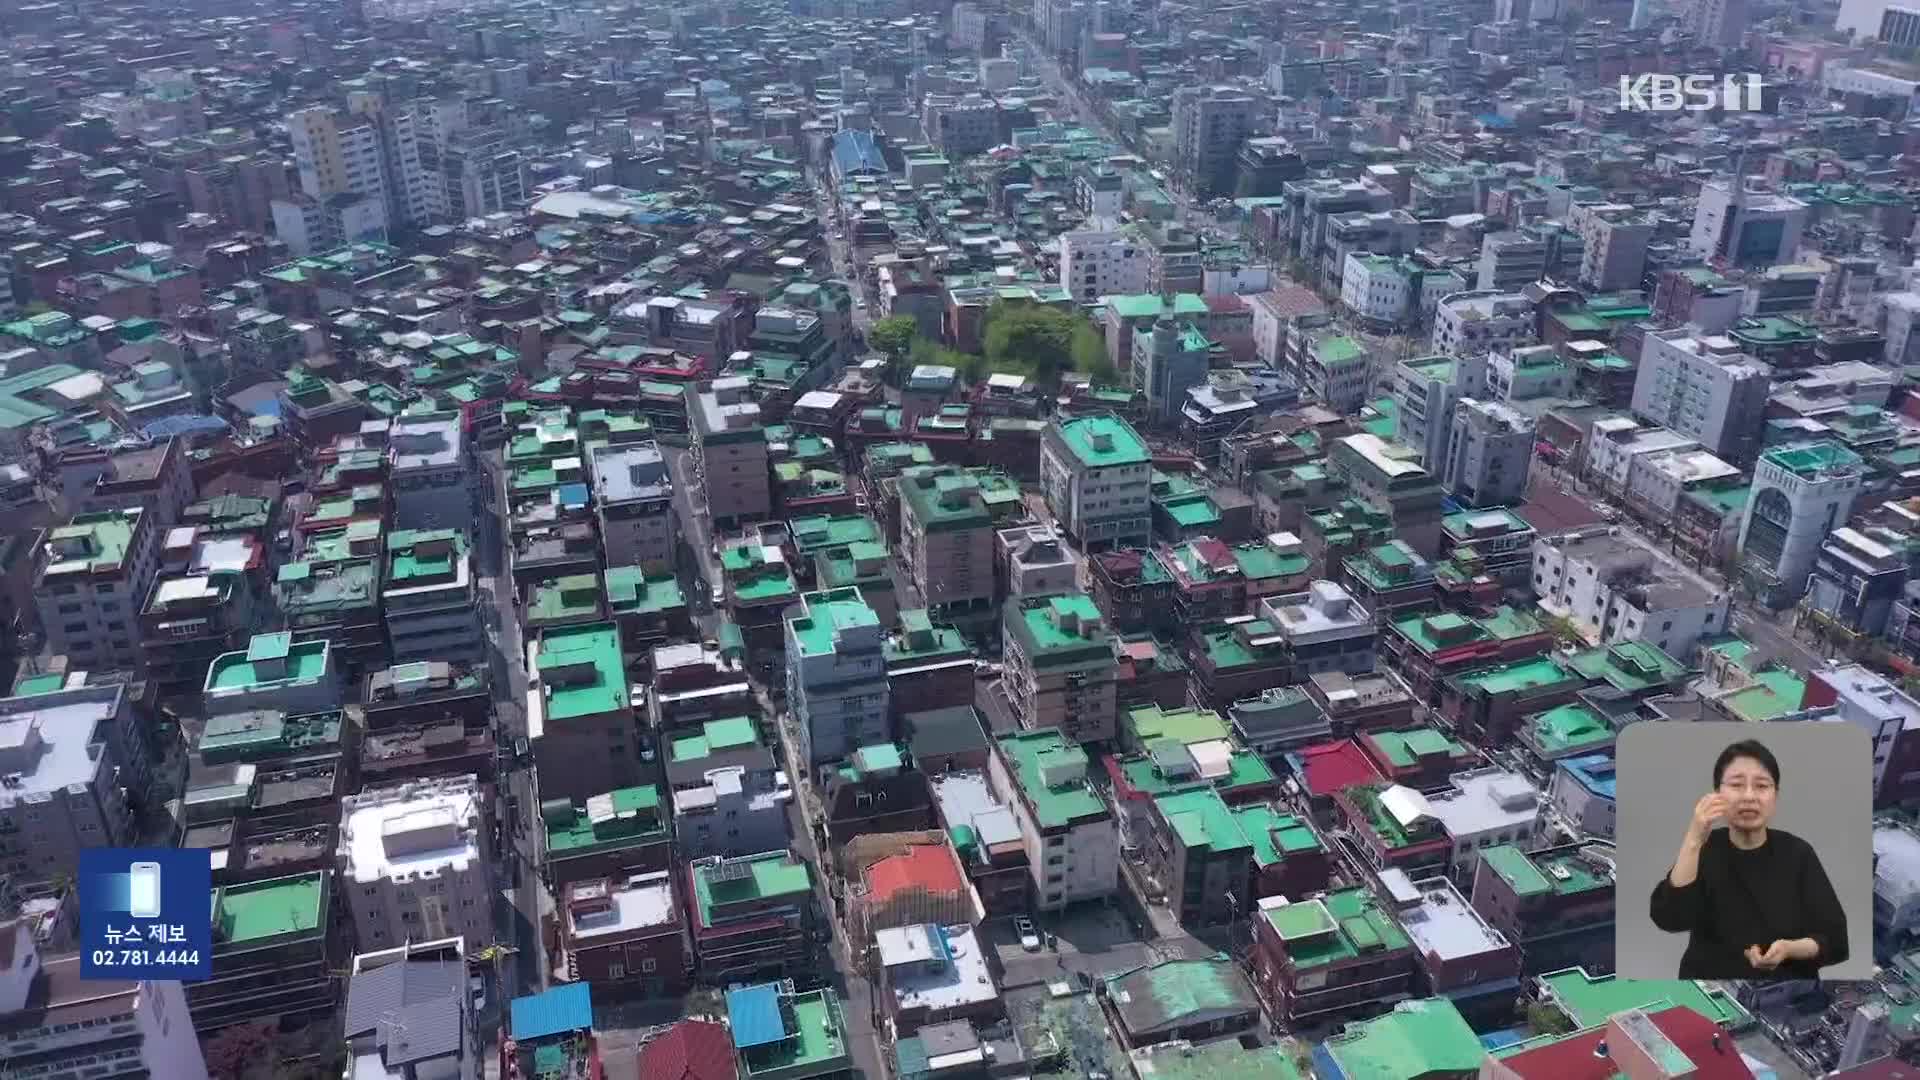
(719, 595)
(782, 787)
(1029, 938)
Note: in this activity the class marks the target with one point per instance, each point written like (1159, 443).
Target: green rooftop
(1201, 819)
(730, 733)
(1244, 769)
(811, 534)
(91, 543)
(574, 597)
(1519, 677)
(1104, 442)
(616, 819)
(1531, 875)
(1274, 835)
(1404, 749)
(1775, 693)
(1032, 756)
(1421, 1038)
(1065, 628)
(629, 590)
(1150, 724)
(1815, 460)
(1627, 665)
(826, 616)
(268, 909)
(580, 672)
(1589, 1000)
(270, 660)
(1339, 927)
(769, 876)
(1569, 729)
(819, 1037)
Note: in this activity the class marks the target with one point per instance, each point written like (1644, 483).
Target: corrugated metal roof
(754, 1012)
(563, 1008)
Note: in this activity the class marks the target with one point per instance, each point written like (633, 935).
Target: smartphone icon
(143, 892)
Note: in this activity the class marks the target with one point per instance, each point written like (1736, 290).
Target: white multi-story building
(1489, 453)
(1097, 478)
(1485, 808)
(1617, 442)
(1656, 481)
(90, 577)
(836, 675)
(429, 472)
(1510, 261)
(1800, 494)
(1899, 319)
(1616, 588)
(1742, 220)
(1704, 388)
(69, 757)
(1072, 844)
(1425, 391)
(411, 863)
(1473, 323)
(1096, 263)
(54, 1023)
(633, 498)
(1870, 701)
(1378, 288)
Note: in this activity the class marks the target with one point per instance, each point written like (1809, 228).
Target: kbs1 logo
(1691, 93)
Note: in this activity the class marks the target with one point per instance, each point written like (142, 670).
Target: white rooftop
(966, 799)
(46, 740)
(1896, 865)
(936, 968)
(425, 442)
(639, 902)
(1324, 611)
(412, 829)
(1445, 926)
(1483, 801)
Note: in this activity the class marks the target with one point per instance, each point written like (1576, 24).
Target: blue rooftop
(572, 495)
(561, 1009)
(854, 151)
(754, 1012)
(1593, 772)
(171, 426)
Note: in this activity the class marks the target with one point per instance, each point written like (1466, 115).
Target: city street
(520, 874)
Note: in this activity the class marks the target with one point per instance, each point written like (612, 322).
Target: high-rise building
(947, 540)
(1704, 388)
(1168, 360)
(1209, 124)
(1800, 494)
(90, 577)
(1096, 263)
(1097, 477)
(730, 448)
(1718, 24)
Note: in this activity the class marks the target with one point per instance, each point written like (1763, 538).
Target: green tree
(1089, 351)
(1564, 630)
(893, 335)
(1546, 1019)
(1022, 336)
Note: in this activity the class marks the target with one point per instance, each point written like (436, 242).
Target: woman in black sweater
(1754, 902)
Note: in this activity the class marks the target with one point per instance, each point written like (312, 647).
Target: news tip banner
(146, 913)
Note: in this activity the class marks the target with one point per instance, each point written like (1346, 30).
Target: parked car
(1029, 939)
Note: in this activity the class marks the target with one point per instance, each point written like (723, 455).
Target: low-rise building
(1182, 999)
(1485, 705)
(429, 472)
(931, 974)
(1582, 791)
(1096, 475)
(409, 1012)
(783, 1035)
(1319, 959)
(1556, 904)
(1199, 857)
(276, 953)
(1461, 957)
(836, 675)
(273, 672)
(1617, 588)
(750, 915)
(728, 798)
(633, 505)
(606, 836)
(626, 934)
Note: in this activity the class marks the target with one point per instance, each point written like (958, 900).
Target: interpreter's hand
(1711, 808)
(1777, 953)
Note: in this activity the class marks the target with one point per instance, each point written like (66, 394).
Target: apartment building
(1388, 477)
(633, 504)
(67, 761)
(1096, 263)
(1097, 478)
(412, 863)
(1706, 389)
(1069, 835)
(947, 540)
(628, 933)
(1199, 855)
(54, 1023)
(730, 449)
(90, 577)
(1489, 453)
(1061, 671)
(580, 713)
(1317, 960)
(1475, 322)
(430, 598)
(1209, 125)
(429, 472)
(157, 478)
(836, 675)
